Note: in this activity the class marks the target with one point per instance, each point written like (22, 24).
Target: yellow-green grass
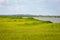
(28, 29)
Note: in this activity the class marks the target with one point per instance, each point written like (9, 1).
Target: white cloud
(29, 6)
(2, 1)
(53, 0)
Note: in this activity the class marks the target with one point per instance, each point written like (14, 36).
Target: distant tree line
(12, 17)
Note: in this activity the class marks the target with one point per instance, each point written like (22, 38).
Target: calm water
(49, 19)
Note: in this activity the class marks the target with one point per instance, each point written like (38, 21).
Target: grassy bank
(28, 29)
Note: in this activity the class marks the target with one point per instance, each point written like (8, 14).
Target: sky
(34, 7)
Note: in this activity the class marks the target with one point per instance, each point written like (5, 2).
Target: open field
(28, 29)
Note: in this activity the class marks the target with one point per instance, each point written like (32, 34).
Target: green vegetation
(12, 28)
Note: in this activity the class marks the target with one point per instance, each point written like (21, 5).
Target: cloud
(2, 1)
(53, 0)
(29, 6)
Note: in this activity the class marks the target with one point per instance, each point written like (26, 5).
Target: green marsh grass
(28, 29)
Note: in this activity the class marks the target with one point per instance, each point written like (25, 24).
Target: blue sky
(34, 7)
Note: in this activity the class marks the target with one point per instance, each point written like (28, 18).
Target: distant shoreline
(32, 16)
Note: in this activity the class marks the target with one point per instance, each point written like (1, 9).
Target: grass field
(28, 29)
